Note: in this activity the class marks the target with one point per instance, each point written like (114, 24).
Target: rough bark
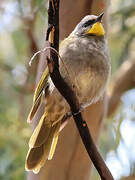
(71, 160)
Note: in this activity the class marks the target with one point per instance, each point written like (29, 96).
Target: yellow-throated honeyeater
(85, 56)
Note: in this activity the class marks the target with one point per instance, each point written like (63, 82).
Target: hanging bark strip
(68, 93)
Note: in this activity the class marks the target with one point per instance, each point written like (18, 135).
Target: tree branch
(123, 80)
(68, 93)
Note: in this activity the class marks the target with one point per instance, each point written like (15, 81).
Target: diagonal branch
(125, 75)
(68, 93)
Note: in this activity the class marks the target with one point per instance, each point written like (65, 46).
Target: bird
(85, 67)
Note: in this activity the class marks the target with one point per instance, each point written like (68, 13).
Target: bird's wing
(42, 85)
(43, 141)
(42, 144)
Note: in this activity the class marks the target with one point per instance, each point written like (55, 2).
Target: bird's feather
(54, 142)
(42, 85)
(41, 132)
(37, 156)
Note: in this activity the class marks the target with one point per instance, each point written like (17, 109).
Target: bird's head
(90, 26)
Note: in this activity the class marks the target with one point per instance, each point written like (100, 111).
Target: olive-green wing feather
(42, 85)
(41, 132)
(37, 155)
(54, 141)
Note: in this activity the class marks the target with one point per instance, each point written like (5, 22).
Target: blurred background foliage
(22, 26)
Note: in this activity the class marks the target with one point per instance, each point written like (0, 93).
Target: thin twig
(51, 48)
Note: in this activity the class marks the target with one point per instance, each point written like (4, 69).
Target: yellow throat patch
(97, 29)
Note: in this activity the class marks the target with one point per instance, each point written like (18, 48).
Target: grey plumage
(85, 56)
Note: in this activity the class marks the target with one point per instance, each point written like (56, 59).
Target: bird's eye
(88, 23)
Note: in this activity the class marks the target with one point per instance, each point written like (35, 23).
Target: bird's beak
(97, 28)
(99, 18)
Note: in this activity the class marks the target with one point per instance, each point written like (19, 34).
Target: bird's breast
(88, 68)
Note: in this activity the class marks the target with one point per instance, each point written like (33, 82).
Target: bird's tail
(42, 143)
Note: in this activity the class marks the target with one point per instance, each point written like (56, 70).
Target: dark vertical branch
(68, 93)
